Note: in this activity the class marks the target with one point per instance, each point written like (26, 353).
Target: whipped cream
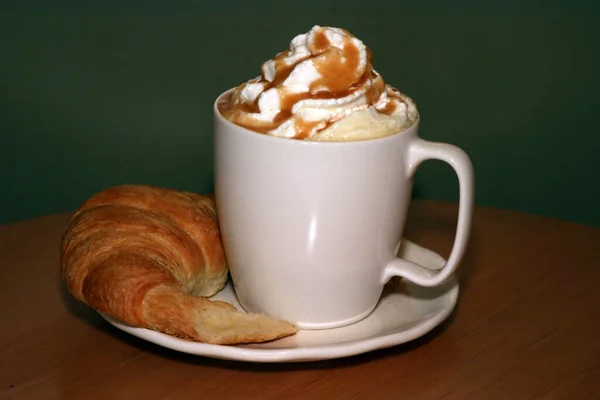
(323, 88)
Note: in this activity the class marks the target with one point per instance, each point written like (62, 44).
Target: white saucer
(405, 312)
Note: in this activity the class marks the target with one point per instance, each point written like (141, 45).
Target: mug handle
(420, 150)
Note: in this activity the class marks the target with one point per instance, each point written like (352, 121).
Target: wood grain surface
(526, 327)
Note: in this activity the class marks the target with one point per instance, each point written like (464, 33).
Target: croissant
(149, 257)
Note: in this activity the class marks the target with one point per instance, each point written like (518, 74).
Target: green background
(94, 94)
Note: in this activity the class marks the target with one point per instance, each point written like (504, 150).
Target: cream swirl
(325, 76)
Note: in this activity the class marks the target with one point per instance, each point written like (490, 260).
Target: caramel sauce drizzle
(339, 78)
(303, 127)
(389, 108)
(338, 68)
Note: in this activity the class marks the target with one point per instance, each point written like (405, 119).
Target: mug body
(308, 227)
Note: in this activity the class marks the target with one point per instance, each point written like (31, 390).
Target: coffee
(311, 227)
(324, 88)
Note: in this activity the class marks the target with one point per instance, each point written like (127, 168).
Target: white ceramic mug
(311, 229)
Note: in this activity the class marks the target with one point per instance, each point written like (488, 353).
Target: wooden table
(526, 326)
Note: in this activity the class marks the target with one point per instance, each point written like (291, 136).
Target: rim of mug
(411, 130)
